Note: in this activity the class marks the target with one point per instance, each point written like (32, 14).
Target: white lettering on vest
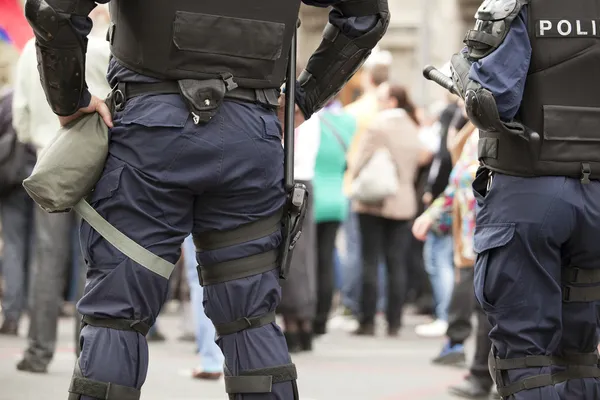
(567, 28)
(561, 25)
(545, 25)
(579, 31)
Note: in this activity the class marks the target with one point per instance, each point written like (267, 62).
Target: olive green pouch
(67, 171)
(70, 166)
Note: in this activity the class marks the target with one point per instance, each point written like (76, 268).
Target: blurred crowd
(389, 229)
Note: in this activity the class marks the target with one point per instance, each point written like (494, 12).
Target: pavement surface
(340, 367)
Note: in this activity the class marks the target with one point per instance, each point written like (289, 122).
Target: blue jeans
(350, 264)
(212, 357)
(439, 264)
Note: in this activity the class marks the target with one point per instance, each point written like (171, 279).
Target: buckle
(119, 100)
(247, 320)
(566, 292)
(586, 170)
(229, 82)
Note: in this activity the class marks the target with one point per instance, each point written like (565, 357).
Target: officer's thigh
(580, 319)
(249, 187)
(142, 195)
(522, 224)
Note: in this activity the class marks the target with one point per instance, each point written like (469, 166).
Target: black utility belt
(128, 90)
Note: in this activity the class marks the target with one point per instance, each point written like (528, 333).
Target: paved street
(341, 367)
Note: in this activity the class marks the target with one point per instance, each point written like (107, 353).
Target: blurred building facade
(421, 32)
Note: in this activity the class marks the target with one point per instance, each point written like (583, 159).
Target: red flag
(14, 24)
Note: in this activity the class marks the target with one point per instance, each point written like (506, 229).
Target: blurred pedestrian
(392, 139)
(337, 127)
(459, 198)
(299, 290)
(375, 72)
(438, 248)
(211, 357)
(37, 125)
(16, 209)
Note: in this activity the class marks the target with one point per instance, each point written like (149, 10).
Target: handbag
(377, 180)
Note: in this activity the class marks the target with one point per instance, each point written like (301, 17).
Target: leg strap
(260, 380)
(579, 365)
(578, 276)
(241, 267)
(244, 323)
(118, 324)
(81, 386)
(238, 269)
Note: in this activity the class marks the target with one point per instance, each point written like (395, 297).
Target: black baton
(297, 193)
(288, 138)
(433, 74)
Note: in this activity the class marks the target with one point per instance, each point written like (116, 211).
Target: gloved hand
(460, 67)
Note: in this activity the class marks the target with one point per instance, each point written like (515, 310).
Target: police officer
(195, 147)
(529, 77)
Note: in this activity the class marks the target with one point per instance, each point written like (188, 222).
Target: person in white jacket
(36, 124)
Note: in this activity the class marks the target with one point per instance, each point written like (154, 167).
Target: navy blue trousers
(528, 230)
(164, 178)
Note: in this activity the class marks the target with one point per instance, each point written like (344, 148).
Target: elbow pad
(339, 57)
(60, 53)
(482, 111)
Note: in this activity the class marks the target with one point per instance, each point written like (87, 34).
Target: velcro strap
(102, 390)
(578, 359)
(242, 234)
(237, 269)
(575, 294)
(244, 323)
(260, 380)
(524, 362)
(578, 275)
(482, 37)
(526, 384)
(569, 359)
(358, 8)
(118, 324)
(576, 372)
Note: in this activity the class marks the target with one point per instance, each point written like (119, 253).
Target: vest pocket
(248, 47)
(571, 134)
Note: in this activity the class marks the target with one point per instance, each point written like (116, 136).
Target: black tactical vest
(562, 96)
(200, 39)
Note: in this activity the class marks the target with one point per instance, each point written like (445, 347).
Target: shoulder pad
(494, 19)
(495, 10)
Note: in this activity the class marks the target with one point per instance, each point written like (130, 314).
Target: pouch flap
(491, 236)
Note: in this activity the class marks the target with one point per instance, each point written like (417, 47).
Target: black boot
(306, 340)
(365, 330)
(9, 327)
(472, 388)
(293, 341)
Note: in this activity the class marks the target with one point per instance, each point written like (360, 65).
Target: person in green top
(337, 128)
